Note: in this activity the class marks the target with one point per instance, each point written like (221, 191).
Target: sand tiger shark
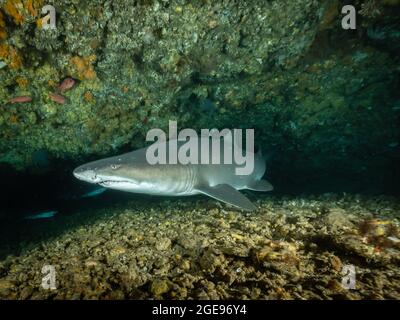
(132, 172)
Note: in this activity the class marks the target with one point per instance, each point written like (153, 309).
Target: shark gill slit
(191, 179)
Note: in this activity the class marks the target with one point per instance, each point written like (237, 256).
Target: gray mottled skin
(131, 172)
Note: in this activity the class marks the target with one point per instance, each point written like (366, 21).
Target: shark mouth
(107, 183)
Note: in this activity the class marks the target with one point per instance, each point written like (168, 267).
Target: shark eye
(115, 166)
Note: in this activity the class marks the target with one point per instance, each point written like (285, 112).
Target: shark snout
(86, 174)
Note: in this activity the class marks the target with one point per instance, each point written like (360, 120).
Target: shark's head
(122, 172)
(109, 173)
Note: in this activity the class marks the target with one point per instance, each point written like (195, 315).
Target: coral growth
(371, 9)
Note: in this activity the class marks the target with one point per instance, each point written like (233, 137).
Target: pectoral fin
(260, 185)
(228, 194)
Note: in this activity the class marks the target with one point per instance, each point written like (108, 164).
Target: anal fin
(260, 185)
(228, 194)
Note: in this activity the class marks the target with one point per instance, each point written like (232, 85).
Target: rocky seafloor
(195, 248)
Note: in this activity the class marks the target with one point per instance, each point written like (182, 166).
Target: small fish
(58, 98)
(394, 239)
(42, 215)
(93, 193)
(21, 99)
(66, 84)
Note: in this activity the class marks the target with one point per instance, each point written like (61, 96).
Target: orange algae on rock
(12, 8)
(88, 96)
(21, 9)
(3, 33)
(10, 55)
(82, 67)
(33, 6)
(13, 119)
(22, 82)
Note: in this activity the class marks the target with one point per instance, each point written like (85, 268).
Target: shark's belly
(169, 180)
(224, 174)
